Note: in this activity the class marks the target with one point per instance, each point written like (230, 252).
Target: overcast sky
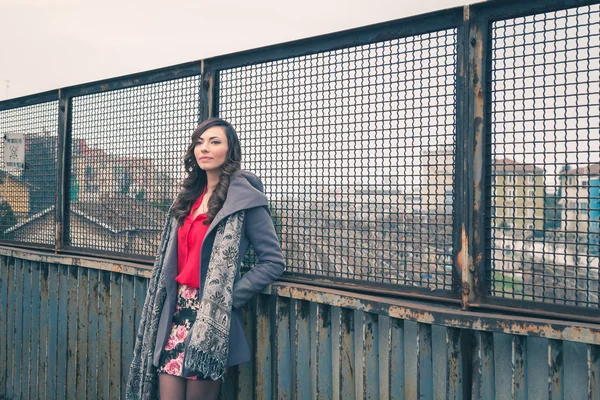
(48, 44)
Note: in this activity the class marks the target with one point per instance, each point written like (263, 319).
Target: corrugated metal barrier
(68, 332)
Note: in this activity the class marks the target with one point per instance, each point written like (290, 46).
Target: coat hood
(245, 191)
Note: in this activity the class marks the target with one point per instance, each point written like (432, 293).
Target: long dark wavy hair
(196, 180)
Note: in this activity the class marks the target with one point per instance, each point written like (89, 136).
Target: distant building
(518, 196)
(97, 175)
(40, 171)
(16, 192)
(580, 203)
(117, 224)
(437, 179)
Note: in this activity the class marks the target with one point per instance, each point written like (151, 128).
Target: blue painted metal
(297, 342)
(127, 328)
(301, 357)
(593, 362)
(35, 331)
(26, 338)
(283, 362)
(454, 389)
(52, 329)
(44, 358)
(92, 362)
(519, 367)
(263, 352)
(557, 372)
(62, 344)
(347, 370)
(486, 387)
(396, 371)
(424, 359)
(4, 323)
(18, 330)
(82, 333)
(115, 318)
(245, 390)
(371, 356)
(323, 346)
(72, 330)
(103, 338)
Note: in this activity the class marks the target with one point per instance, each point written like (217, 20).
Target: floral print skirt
(171, 357)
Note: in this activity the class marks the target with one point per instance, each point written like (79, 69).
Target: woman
(191, 328)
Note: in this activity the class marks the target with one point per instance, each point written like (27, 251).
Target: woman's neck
(212, 178)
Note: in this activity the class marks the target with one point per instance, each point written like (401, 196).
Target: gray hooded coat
(245, 193)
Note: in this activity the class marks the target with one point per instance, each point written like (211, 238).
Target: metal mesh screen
(126, 163)
(356, 148)
(545, 157)
(28, 196)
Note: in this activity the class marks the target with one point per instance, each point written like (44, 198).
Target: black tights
(176, 388)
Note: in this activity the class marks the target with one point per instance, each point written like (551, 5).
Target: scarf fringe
(197, 362)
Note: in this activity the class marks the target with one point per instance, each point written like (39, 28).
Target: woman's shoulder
(250, 177)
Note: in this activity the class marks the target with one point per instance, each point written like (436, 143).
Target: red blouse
(189, 242)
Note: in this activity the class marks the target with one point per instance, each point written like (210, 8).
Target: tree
(7, 219)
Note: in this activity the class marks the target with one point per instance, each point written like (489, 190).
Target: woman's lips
(205, 158)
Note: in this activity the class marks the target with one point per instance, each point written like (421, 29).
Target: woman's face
(211, 149)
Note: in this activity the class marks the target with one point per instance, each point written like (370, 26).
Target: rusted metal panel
(371, 356)
(62, 344)
(82, 333)
(396, 372)
(346, 344)
(43, 367)
(444, 315)
(116, 313)
(484, 383)
(323, 347)
(26, 338)
(557, 373)
(245, 388)
(72, 329)
(384, 341)
(103, 338)
(296, 343)
(411, 356)
(53, 329)
(519, 367)
(127, 327)
(454, 376)
(593, 364)
(4, 323)
(93, 312)
(424, 359)
(575, 371)
(537, 374)
(17, 331)
(439, 360)
(34, 330)
(283, 362)
(263, 348)
(303, 382)
(359, 353)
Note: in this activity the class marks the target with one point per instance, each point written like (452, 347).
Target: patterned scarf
(207, 347)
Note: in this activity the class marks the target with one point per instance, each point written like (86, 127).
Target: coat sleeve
(270, 263)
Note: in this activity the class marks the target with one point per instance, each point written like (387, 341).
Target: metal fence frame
(471, 252)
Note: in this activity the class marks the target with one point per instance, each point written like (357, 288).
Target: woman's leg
(202, 390)
(171, 387)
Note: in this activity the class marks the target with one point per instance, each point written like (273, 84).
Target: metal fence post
(477, 126)
(62, 172)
